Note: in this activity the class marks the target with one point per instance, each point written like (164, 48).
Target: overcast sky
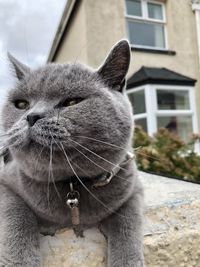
(27, 29)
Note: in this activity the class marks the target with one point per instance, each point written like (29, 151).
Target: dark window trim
(154, 51)
(160, 82)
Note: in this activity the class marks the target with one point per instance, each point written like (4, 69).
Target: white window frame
(140, 115)
(145, 18)
(152, 111)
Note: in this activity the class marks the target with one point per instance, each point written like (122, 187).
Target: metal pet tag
(73, 203)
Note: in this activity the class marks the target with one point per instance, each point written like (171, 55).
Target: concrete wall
(99, 24)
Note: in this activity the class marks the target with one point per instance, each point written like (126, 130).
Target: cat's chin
(35, 144)
(33, 150)
(51, 143)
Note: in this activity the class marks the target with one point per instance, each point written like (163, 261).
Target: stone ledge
(173, 249)
(66, 250)
(172, 231)
(172, 236)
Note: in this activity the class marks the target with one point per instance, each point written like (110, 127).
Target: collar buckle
(108, 177)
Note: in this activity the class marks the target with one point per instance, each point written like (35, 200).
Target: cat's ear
(114, 69)
(20, 69)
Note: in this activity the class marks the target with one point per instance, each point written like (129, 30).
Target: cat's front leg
(123, 231)
(19, 238)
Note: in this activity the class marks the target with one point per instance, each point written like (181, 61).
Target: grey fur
(30, 202)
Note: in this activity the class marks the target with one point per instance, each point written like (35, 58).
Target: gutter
(61, 28)
(196, 9)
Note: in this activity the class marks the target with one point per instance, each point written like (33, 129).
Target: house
(164, 75)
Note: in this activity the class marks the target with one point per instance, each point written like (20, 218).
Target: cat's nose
(32, 118)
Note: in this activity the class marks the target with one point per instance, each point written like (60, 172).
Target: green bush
(166, 154)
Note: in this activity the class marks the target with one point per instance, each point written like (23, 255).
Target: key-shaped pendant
(73, 203)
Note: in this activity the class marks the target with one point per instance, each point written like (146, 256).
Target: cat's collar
(106, 178)
(103, 179)
(72, 199)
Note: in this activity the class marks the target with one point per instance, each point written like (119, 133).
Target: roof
(147, 75)
(64, 22)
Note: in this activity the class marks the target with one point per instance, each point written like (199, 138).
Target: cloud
(27, 27)
(27, 31)
(6, 79)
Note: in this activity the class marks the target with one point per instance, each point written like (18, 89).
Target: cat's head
(70, 110)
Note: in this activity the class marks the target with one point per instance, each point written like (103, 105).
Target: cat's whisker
(14, 131)
(48, 188)
(3, 147)
(86, 188)
(39, 156)
(97, 164)
(58, 116)
(3, 135)
(92, 152)
(62, 151)
(51, 164)
(3, 151)
(102, 142)
(68, 161)
(51, 171)
(9, 143)
(90, 159)
(112, 145)
(77, 166)
(6, 145)
(7, 140)
(3, 141)
(150, 157)
(12, 136)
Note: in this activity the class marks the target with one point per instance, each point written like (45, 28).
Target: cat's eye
(21, 104)
(71, 102)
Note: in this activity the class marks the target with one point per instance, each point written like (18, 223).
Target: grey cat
(67, 131)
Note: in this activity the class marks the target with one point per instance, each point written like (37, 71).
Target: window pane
(168, 99)
(146, 34)
(138, 101)
(133, 7)
(181, 125)
(155, 11)
(142, 123)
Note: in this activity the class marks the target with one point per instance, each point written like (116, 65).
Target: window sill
(154, 51)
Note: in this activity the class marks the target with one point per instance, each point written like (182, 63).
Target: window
(176, 99)
(139, 104)
(174, 111)
(171, 107)
(138, 101)
(181, 125)
(146, 23)
(142, 123)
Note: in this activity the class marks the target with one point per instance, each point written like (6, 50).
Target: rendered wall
(73, 45)
(99, 24)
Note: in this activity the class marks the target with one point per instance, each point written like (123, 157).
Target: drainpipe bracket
(196, 5)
